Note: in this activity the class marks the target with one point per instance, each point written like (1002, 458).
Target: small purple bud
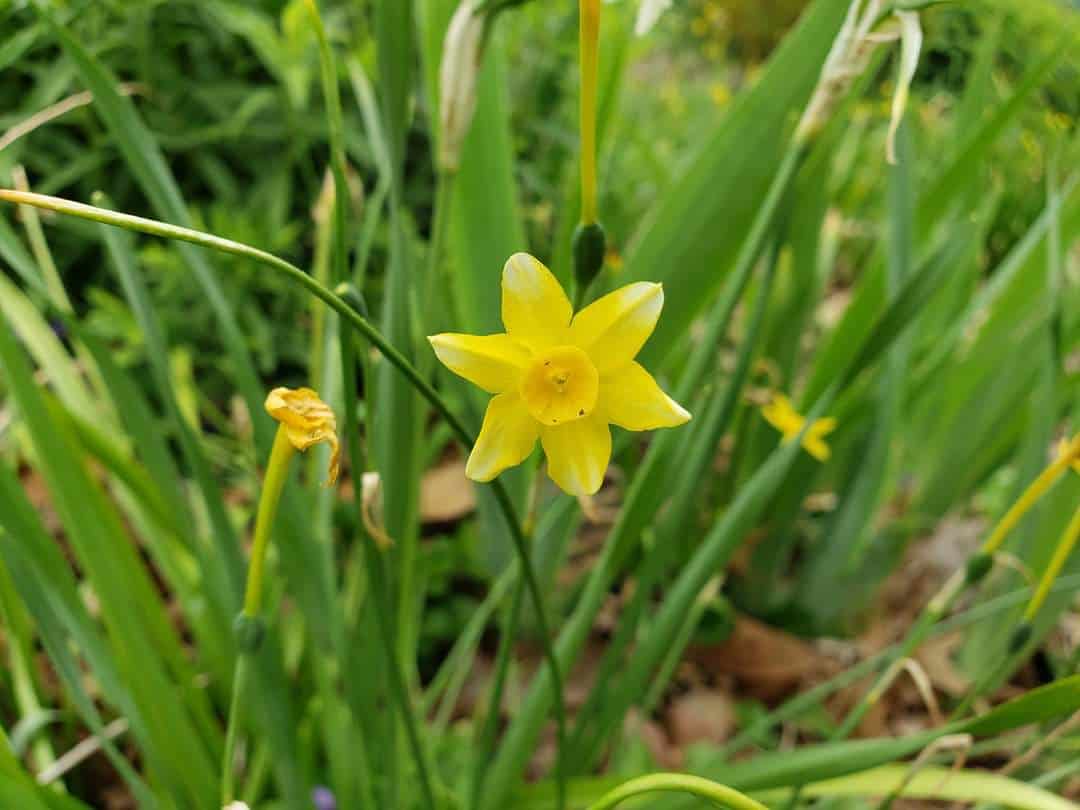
(323, 798)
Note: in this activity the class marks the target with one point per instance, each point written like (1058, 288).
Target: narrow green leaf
(721, 187)
(147, 163)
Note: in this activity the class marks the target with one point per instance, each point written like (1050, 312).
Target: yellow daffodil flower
(781, 414)
(307, 420)
(559, 377)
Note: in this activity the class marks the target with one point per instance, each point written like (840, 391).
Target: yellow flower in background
(559, 377)
(781, 414)
(307, 420)
(720, 93)
(1071, 449)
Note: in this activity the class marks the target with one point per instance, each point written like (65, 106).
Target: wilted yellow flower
(559, 377)
(781, 414)
(307, 420)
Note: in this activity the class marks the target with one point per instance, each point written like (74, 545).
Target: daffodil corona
(559, 377)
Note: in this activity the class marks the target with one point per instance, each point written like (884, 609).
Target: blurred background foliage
(229, 91)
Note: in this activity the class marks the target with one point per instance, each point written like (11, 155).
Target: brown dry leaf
(655, 739)
(936, 657)
(38, 494)
(446, 494)
(768, 663)
(701, 716)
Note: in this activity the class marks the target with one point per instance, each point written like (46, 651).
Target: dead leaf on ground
(767, 663)
(652, 734)
(446, 495)
(701, 716)
(936, 657)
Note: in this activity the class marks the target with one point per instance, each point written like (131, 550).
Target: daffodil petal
(578, 453)
(782, 415)
(506, 438)
(535, 309)
(631, 399)
(613, 329)
(494, 362)
(824, 425)
(816, 447)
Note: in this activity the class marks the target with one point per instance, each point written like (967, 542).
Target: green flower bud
(250, 632)
(978, 567)
(348, 293)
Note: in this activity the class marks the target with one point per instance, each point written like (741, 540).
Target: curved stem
(361, 325)
(294, 273)
(679, 783)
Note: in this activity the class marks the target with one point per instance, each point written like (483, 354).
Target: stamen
(561, 387)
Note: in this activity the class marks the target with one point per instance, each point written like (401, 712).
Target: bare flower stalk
(463, 51)
(859, 37)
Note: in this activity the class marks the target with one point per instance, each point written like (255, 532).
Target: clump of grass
(845, 329)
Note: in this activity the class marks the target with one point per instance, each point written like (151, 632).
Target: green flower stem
(589, 14)
(678, 783)
(277, 472)
(332, 239)
(1057, 562)
(374, 563)
(409, 600)
(1032, 494)
(440, 231)
(361, 325)
(290, 271)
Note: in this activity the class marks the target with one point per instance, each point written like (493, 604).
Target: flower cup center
(560, 386)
